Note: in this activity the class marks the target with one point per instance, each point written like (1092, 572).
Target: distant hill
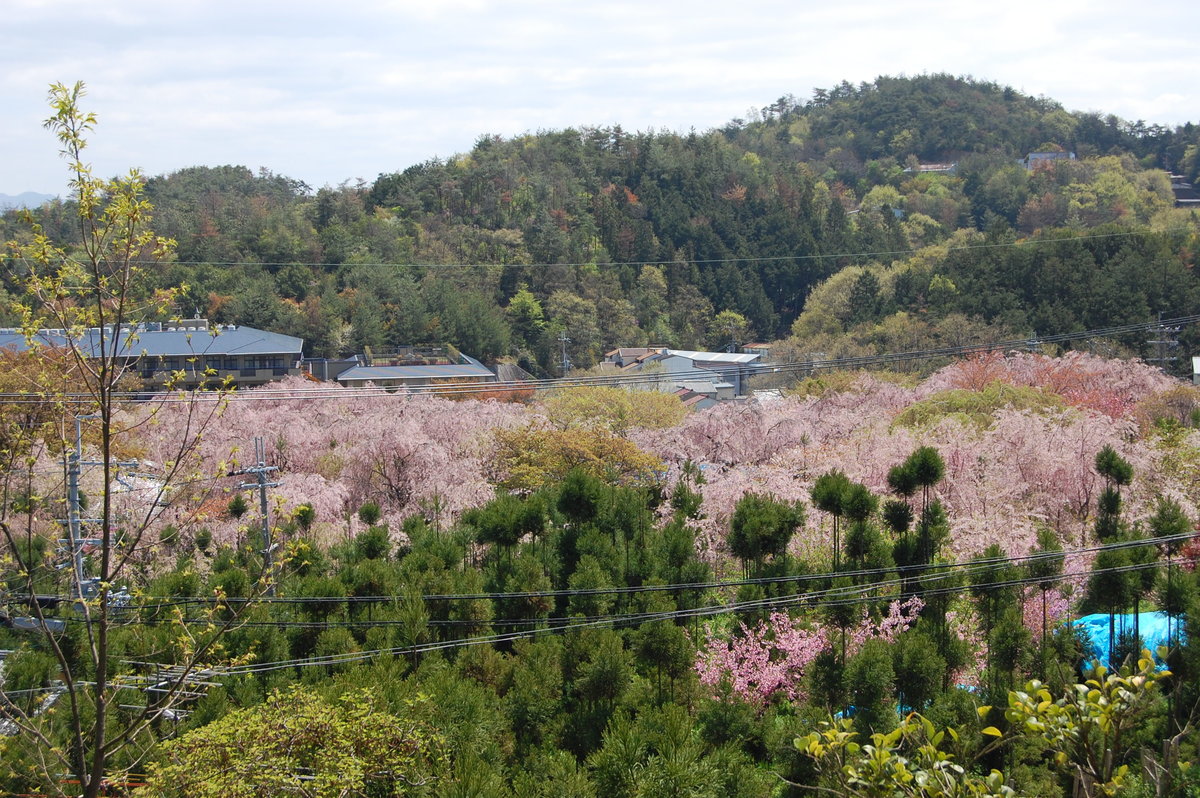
(878, 217)
(27, 199)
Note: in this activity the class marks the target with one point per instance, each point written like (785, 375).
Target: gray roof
(375, 373)
(218, 341)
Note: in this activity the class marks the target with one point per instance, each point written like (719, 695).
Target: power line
(857, 593)
(967, 568)
(829, 597)
(467, 389)
(738, 607)
(671, 262)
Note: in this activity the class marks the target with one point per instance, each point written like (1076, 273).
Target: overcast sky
(335, 91)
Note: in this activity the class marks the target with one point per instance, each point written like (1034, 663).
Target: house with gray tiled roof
(202, 354)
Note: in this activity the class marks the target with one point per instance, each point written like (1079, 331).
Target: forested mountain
(624, 239)
(867, 584)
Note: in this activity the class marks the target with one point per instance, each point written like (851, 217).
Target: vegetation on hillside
(626, 239)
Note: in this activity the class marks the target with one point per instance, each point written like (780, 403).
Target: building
(625, 355)
(697, 400)
(1039, 159)
(196, 353)
(763, 350)
(726, 373)
(1185, 193)
(415, 367)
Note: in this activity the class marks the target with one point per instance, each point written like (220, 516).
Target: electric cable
(1024, 242)
(166, 602)
(466, 389)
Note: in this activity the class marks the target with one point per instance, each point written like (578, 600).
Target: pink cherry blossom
(770, 659)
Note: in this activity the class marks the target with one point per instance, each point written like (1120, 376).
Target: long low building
(416, 368)
(200, 353)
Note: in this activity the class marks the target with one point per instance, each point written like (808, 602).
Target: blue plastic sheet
(1155, 628)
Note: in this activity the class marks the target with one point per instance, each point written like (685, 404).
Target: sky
(336, 92)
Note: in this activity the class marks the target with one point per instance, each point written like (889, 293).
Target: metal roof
(715, 357)
(217, 341)
(373, 373)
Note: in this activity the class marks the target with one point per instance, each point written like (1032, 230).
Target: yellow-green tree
(529, 458)
(1089, 733)
(298, 743)
(94, 294)
(614, 409)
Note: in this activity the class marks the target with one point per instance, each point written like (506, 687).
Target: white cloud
(328, 92)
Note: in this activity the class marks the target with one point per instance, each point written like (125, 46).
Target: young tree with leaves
(96, 292)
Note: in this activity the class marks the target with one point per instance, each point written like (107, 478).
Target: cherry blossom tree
(337, 450)
(770, 659)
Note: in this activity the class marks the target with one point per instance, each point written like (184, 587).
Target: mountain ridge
(26, 199)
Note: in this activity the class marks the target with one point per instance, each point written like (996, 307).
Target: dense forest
(975, 578)
(628, 239)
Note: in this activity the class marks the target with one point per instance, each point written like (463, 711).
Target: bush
(370, 514)
(237, 506)
(978, 408)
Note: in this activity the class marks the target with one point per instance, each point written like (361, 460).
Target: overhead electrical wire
(920, 578)
(1024, 242)
(615, 380)
(973, 564)
(738, 607)
(829, 597)
(854, 594)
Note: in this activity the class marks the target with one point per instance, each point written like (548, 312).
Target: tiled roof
(179, 342)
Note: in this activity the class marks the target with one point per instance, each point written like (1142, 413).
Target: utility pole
(563, 340)
(260, 471)
(84, 586)
(733, 343)
(1166, 339)
(74, 523)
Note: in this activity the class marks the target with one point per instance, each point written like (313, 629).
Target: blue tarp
(1152, 626)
